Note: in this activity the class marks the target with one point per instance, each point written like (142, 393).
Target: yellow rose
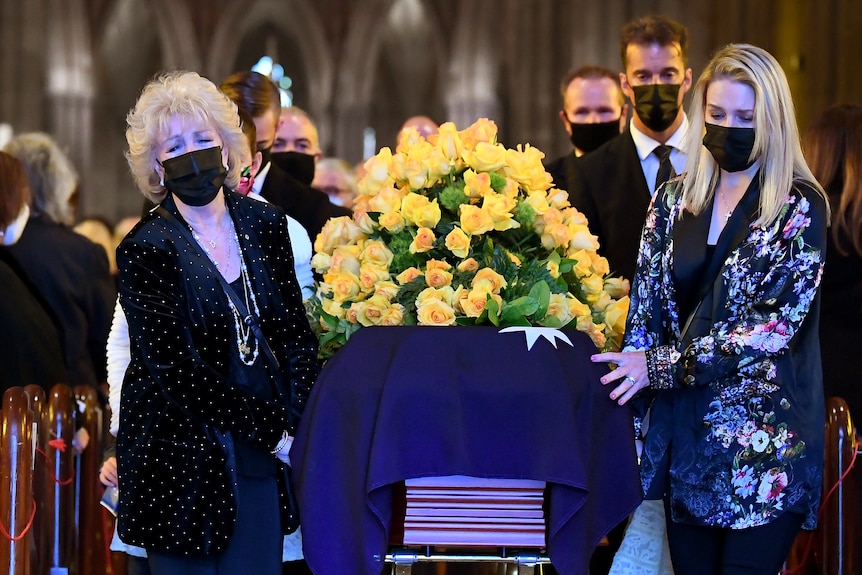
(582, 239)
(444, 294)
(364, 221)
(370, 274)
(320, 262)
(468, 265)
(488, 280)
(387, 289)
(579, 309)
(371, 311)
(352, 314)
(475, 221)
(596, 333)
(474, 304)
(332, 307)
(513, 258)
(376, 253)
(345, 259)
(583, 265)
(477, 185)
(345, 286)
(408, 276)
(511, 189)
(599, 264)
(617, 287)
(420, 211)
(437, 278)
(408, 138)
(392, 222)
(447, 141)
(558, 198)
(616, 313)
(553, 269)
(435, 312)
(559, 308)
(603, 301)
(482, 130)
(524, 165)
(556, 235)
(538, 200)
(423, 242)
(486, 157)
(376, 172)
(592, 286)
(387, 200)
(436, 165)
(337, 232)
(394, 315)
(438, 265)
(500, 207)
(458, 242)
(573, 216)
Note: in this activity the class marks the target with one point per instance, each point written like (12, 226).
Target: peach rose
(364, 221)
(423, 242)
(387, 289)
(345, 259)
(394, 315)
(482, 130)
(437, 278)
(370, 274)
(476, 301)
(555, 235)
(458, 242)
(437, 265)
(582, 239)
(477, 185)
(475, 221)
(617, 287)
(345, 286)
(388, 200)
(376, 172)
(468, 265)
(371, 311)
(408, 276)
(435, 312)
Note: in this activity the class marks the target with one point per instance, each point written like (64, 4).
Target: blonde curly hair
(188, 95)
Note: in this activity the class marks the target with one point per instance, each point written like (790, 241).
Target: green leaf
(493, 310)
(541, 292)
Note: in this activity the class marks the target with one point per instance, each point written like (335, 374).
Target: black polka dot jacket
(179, 411)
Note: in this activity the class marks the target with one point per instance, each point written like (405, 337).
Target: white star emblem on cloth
(533, 333)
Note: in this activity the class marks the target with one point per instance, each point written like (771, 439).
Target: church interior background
(73, 68)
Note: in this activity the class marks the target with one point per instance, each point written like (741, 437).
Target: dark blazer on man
(608, 185)
(182, 410)
(72, 275)
(561, 170)
(308, 206)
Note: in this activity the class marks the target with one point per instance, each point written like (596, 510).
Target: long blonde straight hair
(776, 135)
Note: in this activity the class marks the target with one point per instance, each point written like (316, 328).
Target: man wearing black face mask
(594, 112)
(613, 185)
(283, 179)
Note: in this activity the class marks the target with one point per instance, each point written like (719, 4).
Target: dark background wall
(73, 68)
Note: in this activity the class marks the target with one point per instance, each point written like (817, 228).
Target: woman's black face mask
(195, 178)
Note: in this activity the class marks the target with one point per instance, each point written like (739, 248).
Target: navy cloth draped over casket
(403, 402)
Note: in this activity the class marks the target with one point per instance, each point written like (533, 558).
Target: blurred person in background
(336, 179)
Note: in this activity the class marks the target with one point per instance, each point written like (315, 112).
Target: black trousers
(698, 550)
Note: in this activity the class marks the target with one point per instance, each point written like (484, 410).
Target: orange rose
(482, 130)
(468, 265)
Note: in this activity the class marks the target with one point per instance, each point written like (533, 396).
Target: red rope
(51, 464)
(26, 529)
(807, 551)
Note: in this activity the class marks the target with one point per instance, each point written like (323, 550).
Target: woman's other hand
(629, 375)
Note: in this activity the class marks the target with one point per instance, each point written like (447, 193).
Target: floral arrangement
(456, 229)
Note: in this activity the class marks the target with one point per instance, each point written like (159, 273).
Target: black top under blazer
(181, 413)
(609, 187)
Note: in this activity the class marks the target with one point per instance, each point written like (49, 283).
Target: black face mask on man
(195, 178)
(730, 147)
(588, 137)
(300, 166)
(657, 105)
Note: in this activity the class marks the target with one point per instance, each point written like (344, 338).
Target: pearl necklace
(248, 350)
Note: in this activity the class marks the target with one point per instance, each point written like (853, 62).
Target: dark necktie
(665, 168)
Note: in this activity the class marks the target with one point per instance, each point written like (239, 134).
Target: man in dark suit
(594, 111)
(613, 185)
(288, 189)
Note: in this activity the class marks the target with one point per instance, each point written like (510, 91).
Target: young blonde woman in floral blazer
(722, 332)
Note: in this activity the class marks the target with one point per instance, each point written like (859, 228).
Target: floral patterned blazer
(736, 424)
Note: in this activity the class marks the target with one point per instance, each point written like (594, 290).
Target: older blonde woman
(207, 417)
(723, 329)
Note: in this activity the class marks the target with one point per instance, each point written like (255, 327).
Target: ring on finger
(631, 379)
